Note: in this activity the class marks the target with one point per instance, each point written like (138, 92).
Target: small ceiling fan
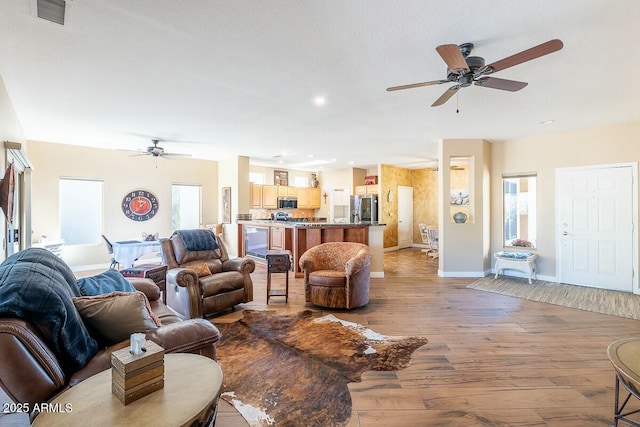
(463, 70)
(156, 151)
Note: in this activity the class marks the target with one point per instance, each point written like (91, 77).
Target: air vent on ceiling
(52, 10)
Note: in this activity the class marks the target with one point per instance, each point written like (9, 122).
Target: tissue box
(133, 377)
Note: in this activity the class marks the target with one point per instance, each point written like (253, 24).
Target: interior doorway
(18, 231)
(596, 232)
(405, 217)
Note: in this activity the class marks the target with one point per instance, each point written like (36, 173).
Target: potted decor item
(460, 217)
(314, 181)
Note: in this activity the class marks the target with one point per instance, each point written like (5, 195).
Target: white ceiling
(238, 77)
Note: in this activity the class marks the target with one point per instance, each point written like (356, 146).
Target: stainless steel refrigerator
(364, 208)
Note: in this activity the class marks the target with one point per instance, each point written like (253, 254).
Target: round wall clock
(140, 205)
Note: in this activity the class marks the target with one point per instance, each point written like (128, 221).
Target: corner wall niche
(460, 190)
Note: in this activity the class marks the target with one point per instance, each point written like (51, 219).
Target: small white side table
(521, 261)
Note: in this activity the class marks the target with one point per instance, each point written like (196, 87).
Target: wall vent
(52, 10)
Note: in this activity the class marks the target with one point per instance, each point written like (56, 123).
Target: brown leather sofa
(195, 293)
(30, 371)
(337, 274)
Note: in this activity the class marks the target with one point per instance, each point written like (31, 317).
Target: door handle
(564, 233)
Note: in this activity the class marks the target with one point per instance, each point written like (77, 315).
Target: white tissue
(137, 340)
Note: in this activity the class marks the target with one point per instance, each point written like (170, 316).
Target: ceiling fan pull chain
(457, 110)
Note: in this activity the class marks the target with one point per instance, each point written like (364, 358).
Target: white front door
(405, 217)
(596, 227)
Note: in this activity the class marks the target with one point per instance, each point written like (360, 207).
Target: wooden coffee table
(192, 386)
(625, 358)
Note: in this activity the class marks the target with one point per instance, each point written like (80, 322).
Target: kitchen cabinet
(269, 197)
(367, 189)
(266, 196)
(314, 198)
(256, 195)
(303, 197)
(286, 191)
(276, 238)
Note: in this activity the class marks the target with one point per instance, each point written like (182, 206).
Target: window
(300, 181)
(80, 199)
(519, 198)
(186, 209)
(257, 177)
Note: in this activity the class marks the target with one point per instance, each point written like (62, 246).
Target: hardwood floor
(491, 360)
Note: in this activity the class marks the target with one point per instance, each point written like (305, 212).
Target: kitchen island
(258, 236)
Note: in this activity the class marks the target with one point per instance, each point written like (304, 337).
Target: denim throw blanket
(198, 240)
(38, 286)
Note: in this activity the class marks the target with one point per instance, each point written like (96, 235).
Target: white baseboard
(377, 274)
(460, 273)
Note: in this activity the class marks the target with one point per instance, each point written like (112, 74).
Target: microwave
(287, 203)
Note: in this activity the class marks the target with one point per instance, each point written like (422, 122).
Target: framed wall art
(226, 205)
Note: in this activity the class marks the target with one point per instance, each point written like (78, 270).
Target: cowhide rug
(293, 370)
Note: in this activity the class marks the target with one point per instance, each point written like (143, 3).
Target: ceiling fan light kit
(156, 151)
(465, 70)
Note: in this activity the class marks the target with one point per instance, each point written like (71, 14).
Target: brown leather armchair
(31, 372)
(336, 274)
(223, 284)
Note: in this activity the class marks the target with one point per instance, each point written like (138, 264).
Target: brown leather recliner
(193, 293)
(30, 371)
(336, 274)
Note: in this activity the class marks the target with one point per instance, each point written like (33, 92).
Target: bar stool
(278, 261)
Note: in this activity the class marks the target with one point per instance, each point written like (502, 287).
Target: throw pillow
(104, 283)
(117, 315)
(201, 269)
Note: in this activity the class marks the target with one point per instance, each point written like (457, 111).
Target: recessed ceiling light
(547, 122)
(320, 101)
(352, 162)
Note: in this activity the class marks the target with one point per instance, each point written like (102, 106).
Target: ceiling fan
(156, 151)
(463, 70)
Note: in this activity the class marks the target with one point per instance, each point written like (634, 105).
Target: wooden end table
(278, 261)
(192, 386)
(624, 355)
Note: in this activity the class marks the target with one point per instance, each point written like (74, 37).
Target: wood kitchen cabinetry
(367, 189)
(269, 197)
(286, 191)
(256, 195)
(303, 198)
(280, 238)
(266, 196)
(314, 198)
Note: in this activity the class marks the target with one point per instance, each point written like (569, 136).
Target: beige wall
(543, 155)
(120, 174)
(464, 248)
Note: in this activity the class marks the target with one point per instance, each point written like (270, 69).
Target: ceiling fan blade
(451, 55)
(446, 95)
(524, 56)
(411, 86)
(502, 84)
